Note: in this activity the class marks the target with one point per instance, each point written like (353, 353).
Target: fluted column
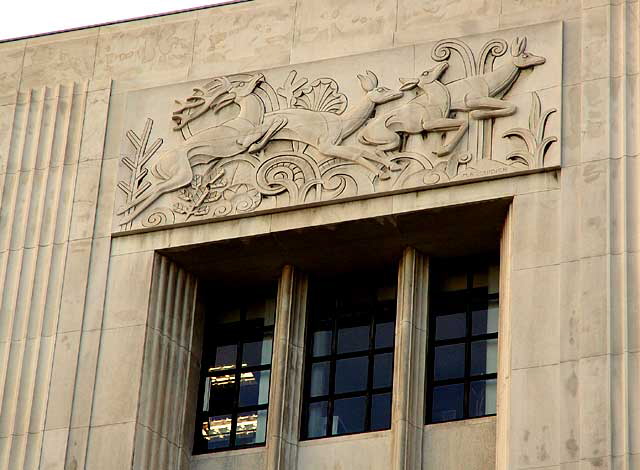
(504, 349)
(286, 371)
(410, 355)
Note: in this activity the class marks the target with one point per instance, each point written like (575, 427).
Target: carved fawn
(482, 95)
(325, 131)
(173, 168)
(426, 112)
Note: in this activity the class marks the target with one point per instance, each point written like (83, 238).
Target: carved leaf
(184, 195)
(524, 134)
(180, 208)
(534, 114)
(542, 150)
(322, 96)
(543, 123)
(519, 156)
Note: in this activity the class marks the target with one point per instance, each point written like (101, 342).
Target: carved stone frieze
(464, 109)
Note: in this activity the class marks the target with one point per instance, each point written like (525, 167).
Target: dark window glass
(381, 412)
(463, 340)
(385, 333)
(448, 402)
(449, 361)
(317, 419)
(383, 370)
(349, 364)
(451, 326)
(236, 371)
(349, 415)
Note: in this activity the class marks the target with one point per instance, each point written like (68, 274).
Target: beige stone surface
(523, 12)
(11, 59)
(69, 378)
(110, 446)
(163, 52)
(118, 376)
(358, 452)
(533, 247)
(535, 343)
(419, 21)
(443, 445)
(53, 62)
(333, 28)
(130, 274)
(220, 34)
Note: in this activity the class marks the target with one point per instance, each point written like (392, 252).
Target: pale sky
(27, 17)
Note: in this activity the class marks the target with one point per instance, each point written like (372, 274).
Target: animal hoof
(254, 148)
(384, 175)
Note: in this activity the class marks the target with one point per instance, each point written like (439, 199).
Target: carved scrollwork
(292, 173)
(442, 52)
(490, 51)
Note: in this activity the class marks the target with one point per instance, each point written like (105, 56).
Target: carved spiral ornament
(491, 50)
(161, 216)
(290, 173)
(442, 51)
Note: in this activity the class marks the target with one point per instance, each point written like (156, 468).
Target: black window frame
(470, 300)
(243, 333)
(376, 315)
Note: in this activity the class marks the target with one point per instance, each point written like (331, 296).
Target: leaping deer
(481, 95)
(173, 168)
(326, 131)
(427, 112)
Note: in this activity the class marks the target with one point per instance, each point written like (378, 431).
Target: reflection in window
(463, 341)
(349, 365)
(236, 372)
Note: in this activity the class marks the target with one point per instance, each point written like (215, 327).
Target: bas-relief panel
(446, 111)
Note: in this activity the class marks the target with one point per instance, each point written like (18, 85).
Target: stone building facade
(156, 175)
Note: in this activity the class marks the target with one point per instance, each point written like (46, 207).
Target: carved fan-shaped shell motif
(322, 96)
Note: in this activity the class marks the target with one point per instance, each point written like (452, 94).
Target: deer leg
(259, 136)
(488, 108)
(137, 206)
(380, 155)
(353, 155)
(444, 125)
(265, 135)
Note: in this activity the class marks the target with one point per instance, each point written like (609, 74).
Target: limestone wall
(74, 302)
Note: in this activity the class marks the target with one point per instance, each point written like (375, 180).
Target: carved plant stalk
(537, 144)
(136, 185)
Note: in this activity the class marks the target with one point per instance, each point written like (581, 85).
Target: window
(349, 357)
(236, 368)
(463, 341)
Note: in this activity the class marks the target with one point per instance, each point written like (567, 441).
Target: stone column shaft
(410, 355)
(286, 371)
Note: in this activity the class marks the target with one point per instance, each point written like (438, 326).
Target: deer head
(523, 59)
(214, 95)
(427, 77)
(376, 94)
(243, 88)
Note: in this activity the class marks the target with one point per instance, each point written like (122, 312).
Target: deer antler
(220, 97)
